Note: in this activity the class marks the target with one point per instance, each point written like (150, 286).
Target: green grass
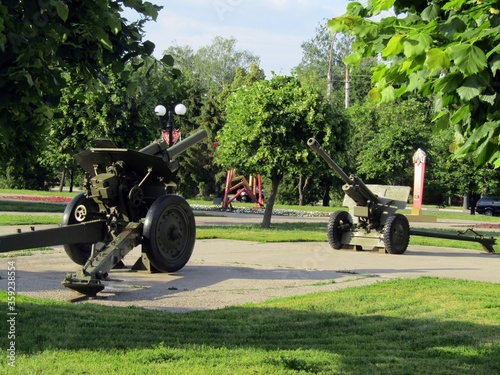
(27, 219)
(279, 232)
(424, 326)
(24, 206)
(38, 192)
(313, 232)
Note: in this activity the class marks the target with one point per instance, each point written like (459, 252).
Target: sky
(273, 30)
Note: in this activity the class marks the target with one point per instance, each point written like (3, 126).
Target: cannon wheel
(77, 211)
(169, 233)
(396, 234)
(334, 231)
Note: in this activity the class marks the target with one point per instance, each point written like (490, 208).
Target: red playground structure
(243, 190)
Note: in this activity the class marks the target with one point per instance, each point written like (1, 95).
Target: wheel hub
(81, 213)
(174, 233)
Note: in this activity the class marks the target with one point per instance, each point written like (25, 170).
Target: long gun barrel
(314, 144)
(183, 145)
(354, 187)
(159, 147)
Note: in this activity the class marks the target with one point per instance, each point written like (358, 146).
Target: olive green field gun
(372, 222)
(126, 202)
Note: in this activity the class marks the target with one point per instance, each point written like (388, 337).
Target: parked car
(489, 206)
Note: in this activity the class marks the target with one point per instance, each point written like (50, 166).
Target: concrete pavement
(223, 273)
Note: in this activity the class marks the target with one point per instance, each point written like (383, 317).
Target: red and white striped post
(419, 160)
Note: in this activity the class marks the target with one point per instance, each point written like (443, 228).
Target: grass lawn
(408, 326)
(24, 206)
(38, 192)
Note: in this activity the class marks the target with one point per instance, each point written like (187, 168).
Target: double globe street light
(160, 111)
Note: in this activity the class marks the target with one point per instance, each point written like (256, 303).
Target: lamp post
(160, 110)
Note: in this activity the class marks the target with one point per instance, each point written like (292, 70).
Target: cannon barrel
(158, 147)
(186, 143)
(354, 187)
(314, 144)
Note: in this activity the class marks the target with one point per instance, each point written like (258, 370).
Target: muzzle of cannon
(125, 203)
(372, 222)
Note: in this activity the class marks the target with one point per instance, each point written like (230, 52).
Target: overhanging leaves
(468, 58)
(394, 46)
(437, 59)
(416, 45)
(471, 88)
(460, 43)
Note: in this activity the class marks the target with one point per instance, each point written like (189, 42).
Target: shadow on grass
(358, 342)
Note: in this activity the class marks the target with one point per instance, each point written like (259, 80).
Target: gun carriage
(372, 222)
(125, 203)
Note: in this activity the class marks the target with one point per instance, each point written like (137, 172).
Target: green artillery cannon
(125, 203)
(372, 222)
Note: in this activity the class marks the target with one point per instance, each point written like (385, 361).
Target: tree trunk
(63, 177)
(326, 195)
(71, 180)
(268, 212)
(302, 189)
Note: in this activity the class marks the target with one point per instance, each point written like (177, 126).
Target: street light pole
(170, 128)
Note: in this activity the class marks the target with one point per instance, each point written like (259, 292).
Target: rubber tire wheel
(488, 212)
(78, 253)
(396, 234)
(169, 233)
(333, 232)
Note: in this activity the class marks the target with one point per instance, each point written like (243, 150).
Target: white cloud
(273, 30)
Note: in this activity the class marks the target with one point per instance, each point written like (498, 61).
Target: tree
(209, 75)
(49, 45)
(214, 64)
(446, 177)
(385, 138)
(322, 65)
(267, 126)
(446, 49)
(121, 109)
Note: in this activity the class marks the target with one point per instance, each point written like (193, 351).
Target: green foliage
(121, 110)
(215, 64)
(268, 124)
(48, 46)
(447, 177)
(200, 174)
(322, 66)
(40, 42)
(386, 137)
(444, 49)
(209, 76)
